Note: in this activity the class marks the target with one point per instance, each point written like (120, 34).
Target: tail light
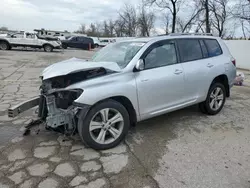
(234, 62)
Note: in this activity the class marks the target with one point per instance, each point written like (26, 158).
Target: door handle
(144, 80)
(177, 71)
(209, 65)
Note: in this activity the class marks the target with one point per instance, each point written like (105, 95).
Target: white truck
(29, 40)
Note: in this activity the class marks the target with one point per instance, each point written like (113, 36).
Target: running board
(20, 108)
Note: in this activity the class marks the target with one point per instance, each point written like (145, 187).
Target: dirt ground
(183, 149)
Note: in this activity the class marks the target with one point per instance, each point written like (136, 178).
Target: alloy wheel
(216, 98)
(106, 126)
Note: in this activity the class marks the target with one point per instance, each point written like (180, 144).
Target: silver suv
(130, 81)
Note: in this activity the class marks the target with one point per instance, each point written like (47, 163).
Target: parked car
(78, 42)
(60, 36)
(105, 42)
(130, 81)
(96, 41)
(28, 40)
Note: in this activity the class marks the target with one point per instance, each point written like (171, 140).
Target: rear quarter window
(213, 47)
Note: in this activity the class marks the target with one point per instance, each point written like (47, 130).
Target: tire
(96, 46)
(209, 107)
(90, 137)
(48, 48)
(64, 46)
(4, 45)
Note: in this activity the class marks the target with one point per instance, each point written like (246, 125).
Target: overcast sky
(69, 14)
(56, 14)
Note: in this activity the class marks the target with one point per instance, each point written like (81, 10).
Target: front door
(160, 85)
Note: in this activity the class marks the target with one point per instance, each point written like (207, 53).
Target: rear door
(195, 68)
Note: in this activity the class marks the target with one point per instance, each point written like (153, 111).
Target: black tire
(205, 106)
(64, 46)
(4, 45)
(202, 108)
(84, 124)
(48, 48)
(96, 45)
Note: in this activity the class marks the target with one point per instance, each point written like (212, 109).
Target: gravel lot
(180, 149)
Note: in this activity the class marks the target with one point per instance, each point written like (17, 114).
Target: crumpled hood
(75, 65)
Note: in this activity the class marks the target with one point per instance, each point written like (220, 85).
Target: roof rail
(204, 34)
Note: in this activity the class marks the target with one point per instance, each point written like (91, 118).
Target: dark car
(78, 42)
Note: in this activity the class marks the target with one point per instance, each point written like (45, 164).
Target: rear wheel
(105, 125)
(215, 101)
(4, 45)
(48, 48)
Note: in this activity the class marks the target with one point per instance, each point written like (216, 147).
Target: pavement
(183, 149)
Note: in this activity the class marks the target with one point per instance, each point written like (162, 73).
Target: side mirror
(140, 65)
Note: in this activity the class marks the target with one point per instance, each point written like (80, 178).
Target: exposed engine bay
(56, 103)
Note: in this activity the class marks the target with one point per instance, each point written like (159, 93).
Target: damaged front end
(56, 106)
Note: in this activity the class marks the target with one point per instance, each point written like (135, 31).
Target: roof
(175, 36)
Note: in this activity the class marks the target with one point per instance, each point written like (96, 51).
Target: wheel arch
(127, 104)
(4, 40)
(224, 80)
(47, 44)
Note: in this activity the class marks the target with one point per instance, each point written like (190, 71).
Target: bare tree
(204, 15)
(220, 15)
(242, 10)
(111, 26)
(166, 22)
(145, 21)
(206, 5)
(129, 17)
(119, 27)
(92, 30)
(82, 29)
(185, 25)
(172, 5)
(105, 29)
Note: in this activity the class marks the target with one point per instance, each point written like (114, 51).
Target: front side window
(213, 47)
(190, 49)
(121, 53)
(161, 55)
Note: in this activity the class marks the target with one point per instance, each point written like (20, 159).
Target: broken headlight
(65, 98)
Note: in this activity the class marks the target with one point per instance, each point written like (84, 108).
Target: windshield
(121, 53)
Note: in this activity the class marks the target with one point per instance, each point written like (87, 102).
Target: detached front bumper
(20, 108)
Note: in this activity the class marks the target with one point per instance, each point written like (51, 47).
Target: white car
(105, 42)
(28, 40)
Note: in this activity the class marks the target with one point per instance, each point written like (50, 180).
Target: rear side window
(213, 47)
(190, 49)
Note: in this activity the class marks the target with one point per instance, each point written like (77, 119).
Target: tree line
(178, 16)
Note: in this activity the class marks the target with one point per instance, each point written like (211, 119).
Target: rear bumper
(20, 108)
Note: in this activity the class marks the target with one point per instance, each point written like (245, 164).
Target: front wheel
(48, 48)
(215, 101)
(105, 125)
(4, 45)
